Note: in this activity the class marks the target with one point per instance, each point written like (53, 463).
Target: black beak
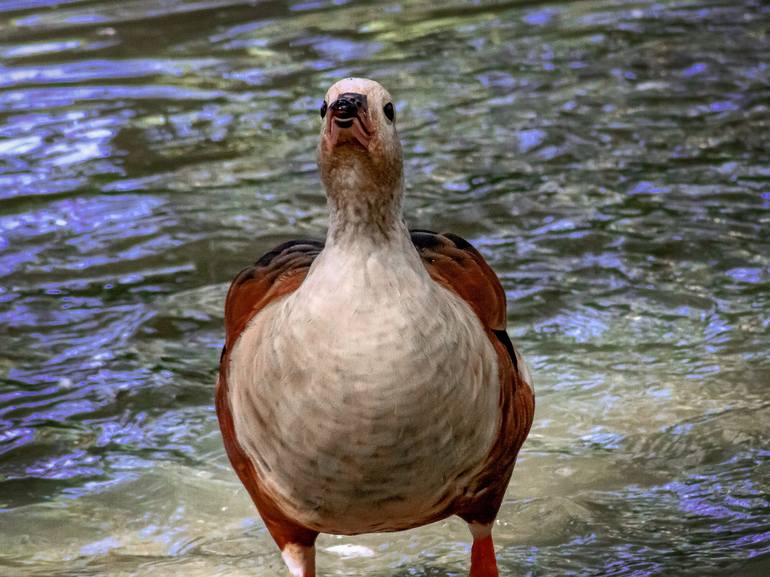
(348, 105)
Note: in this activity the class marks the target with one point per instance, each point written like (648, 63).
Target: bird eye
(389, 112)
(324, 106)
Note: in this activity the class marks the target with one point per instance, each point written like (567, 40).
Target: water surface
(610, 159)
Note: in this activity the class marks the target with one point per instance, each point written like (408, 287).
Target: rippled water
(609, 158)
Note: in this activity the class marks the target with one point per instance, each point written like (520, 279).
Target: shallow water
(610, 159)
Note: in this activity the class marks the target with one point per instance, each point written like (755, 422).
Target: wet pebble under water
(610, 159)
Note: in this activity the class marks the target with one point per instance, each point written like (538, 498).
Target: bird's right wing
(275, 275)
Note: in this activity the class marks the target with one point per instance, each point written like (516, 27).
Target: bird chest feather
(372, 373)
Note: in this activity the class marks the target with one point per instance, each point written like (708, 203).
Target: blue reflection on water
(723, 106)
(539, 17)
(714, 503)
(695, 69)
(750, 275)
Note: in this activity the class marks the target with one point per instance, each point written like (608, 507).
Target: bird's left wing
(455, 264)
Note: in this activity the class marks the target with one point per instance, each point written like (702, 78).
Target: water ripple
(609, 159)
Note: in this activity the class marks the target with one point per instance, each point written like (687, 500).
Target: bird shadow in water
(422, 571)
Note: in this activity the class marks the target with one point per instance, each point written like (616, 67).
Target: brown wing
(276, 274)
(455, 264)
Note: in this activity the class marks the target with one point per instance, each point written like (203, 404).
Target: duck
(367, 381)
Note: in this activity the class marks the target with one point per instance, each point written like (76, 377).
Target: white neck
(369, 253)
(364, 201)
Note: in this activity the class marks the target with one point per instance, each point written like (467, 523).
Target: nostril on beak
(343, 108)
(347, 105)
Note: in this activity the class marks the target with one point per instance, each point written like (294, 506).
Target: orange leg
(483, 562)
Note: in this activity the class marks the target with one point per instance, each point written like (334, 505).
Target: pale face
(358, 114)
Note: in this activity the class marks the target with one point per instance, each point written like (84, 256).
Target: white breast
(368, 397)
